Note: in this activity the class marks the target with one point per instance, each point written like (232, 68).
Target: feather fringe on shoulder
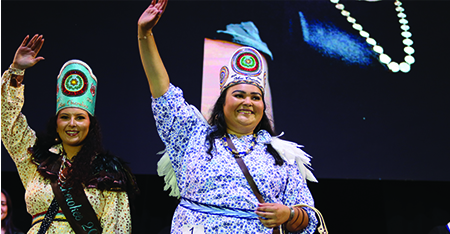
(290, 152)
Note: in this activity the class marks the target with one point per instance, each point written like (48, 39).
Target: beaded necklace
(404, 66)
(236, 153)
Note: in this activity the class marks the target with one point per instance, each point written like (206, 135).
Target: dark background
(379, 140)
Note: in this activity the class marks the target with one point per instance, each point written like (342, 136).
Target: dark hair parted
(217, 119)
(7, 222)
(92, 145)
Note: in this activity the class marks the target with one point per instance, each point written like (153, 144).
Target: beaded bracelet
(16, 71)
(144, 37)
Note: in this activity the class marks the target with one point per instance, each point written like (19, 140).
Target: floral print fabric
(216, 179)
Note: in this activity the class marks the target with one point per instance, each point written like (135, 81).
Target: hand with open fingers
(272, 214)
(151, 15)
(26, 53)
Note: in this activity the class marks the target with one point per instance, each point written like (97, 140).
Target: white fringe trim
(165, 169)
(289, 151)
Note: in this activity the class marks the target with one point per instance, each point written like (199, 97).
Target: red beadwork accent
(248, 69)
(79, 92)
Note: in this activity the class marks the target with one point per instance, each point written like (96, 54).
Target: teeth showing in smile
(244, 112)
(71, 133)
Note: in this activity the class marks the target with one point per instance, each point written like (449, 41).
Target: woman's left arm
(297, 192)
(296, 219)
(116, 216)
(273, 215)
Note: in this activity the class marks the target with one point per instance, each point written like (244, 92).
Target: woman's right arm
(16, 134)
(156, 73)
(12, 88)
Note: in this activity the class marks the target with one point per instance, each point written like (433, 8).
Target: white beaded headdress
(245, 66)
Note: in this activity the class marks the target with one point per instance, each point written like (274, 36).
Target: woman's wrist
(299, 220)
(291, 214)
(144, 35)
(16, 81)
(16, 71)
(16, 76)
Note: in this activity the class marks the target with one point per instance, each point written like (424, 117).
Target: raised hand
(26, 53)
(156, 73)
(151, 15)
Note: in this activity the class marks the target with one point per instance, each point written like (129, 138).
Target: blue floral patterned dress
(216, 181)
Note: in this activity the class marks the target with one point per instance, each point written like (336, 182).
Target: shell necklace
(404, 66)
(232, 149)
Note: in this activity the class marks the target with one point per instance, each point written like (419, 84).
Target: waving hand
(26, 53)
(151, 15)
(156, 73)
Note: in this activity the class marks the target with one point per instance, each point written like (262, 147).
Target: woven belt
(37, 218)
(218, 210)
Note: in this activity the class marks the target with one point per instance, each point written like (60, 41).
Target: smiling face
(243, 109)
(72, 126)
(4, 207)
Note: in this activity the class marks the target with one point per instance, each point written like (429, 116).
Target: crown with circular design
(76, 87)
(244, 67)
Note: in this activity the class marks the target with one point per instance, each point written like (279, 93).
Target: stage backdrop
(329, 92)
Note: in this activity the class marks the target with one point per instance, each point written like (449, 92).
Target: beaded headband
(244, 67)
(76, 87)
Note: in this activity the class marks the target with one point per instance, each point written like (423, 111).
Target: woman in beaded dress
(70, 153)
(215, 195)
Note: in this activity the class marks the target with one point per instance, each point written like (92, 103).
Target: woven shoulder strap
(247, 175)
(322, 228)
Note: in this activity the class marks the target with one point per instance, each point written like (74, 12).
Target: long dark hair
(217, 119)
(92, 145)
(7, 222)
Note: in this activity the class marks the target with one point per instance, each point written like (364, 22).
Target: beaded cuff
(16, 71)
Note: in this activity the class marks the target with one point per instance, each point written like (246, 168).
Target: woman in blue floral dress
(215, 195)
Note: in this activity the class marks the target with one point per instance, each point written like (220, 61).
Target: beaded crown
(76, 87)
(244, 67)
